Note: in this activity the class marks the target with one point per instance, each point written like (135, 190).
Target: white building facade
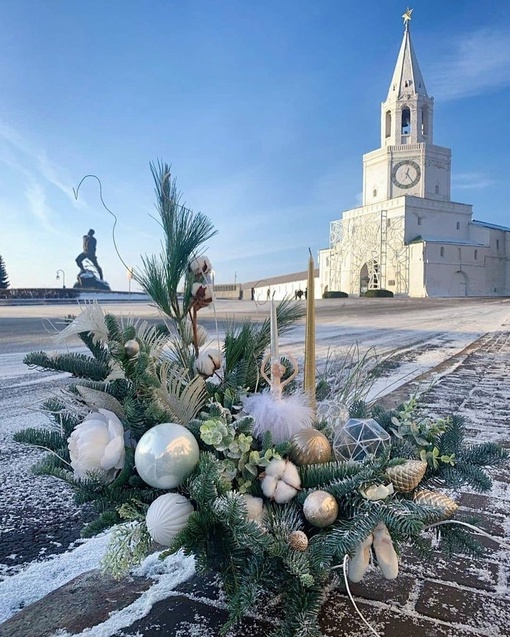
(408, 236)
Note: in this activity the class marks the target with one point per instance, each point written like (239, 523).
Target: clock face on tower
(406, 173)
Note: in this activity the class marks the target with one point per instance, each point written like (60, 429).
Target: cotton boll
(269, 486)
(284, 492)
(199, 266)
(201, 292)
(281, 482)
(291, 475)
(188, 336)
(255, 507)
(276, 468)
(208, 362)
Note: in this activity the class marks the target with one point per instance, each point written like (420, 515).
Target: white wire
(346, 559)
(473, 528)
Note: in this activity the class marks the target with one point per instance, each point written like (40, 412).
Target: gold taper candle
(310, 335)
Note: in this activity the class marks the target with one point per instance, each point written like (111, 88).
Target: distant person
(299, 294)
(89, 252)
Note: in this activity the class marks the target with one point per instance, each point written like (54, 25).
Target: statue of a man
(89, 252)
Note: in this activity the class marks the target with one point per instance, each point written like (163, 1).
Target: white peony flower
(97, 445)
(200, 265)
(208, 362)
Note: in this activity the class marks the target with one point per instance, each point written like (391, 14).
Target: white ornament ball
(320, 508)
(166, 455)
(166, 516)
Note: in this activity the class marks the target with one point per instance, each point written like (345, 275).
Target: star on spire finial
(407, 18)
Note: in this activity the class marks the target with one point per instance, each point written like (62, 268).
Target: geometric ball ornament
(359, 438)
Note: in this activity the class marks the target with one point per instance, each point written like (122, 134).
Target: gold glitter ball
(298, 540)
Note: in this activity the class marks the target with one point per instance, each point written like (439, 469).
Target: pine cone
(438, 500)
(407, 476)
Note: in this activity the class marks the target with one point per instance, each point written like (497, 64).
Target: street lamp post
(63, 277)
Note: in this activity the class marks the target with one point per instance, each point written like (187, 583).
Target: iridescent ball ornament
(166, 516)
(359, 438)
(320, 509)
(166, 455)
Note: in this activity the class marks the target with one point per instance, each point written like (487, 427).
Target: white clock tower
(408, 162)
(408, 237)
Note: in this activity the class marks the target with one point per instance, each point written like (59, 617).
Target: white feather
(281, 416)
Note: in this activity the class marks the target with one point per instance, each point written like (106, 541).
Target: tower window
(425, 121)
(419, 221)
(458, 225)
(460, 254)
(388, 223)
(374, 192)
(476, 255)
(497, 244)
(437, 190)
(406, 121)
(388, 123)
(441, 252)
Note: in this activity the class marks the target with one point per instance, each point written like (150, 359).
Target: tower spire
(407, 78)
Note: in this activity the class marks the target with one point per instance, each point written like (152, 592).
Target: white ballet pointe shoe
(387, 559)
(358, 564)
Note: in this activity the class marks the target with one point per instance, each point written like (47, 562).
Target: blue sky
(264, 110)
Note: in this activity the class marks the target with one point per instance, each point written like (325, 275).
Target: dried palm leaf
(184, 398)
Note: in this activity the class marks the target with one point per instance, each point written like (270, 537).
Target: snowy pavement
(39, 545)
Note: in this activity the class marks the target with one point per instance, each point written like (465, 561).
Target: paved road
(27, 328)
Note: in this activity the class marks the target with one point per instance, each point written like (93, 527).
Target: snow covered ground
(39, 535)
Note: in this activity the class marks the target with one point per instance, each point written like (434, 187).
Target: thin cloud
(36, 198)
(480, 62)
(38, 162)
(471, 181)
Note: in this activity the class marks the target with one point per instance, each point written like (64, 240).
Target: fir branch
(78, 365)
(130, 543)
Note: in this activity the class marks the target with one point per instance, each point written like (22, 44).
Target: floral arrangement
(216, 450)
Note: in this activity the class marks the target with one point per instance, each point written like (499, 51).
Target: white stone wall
(281, 291)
